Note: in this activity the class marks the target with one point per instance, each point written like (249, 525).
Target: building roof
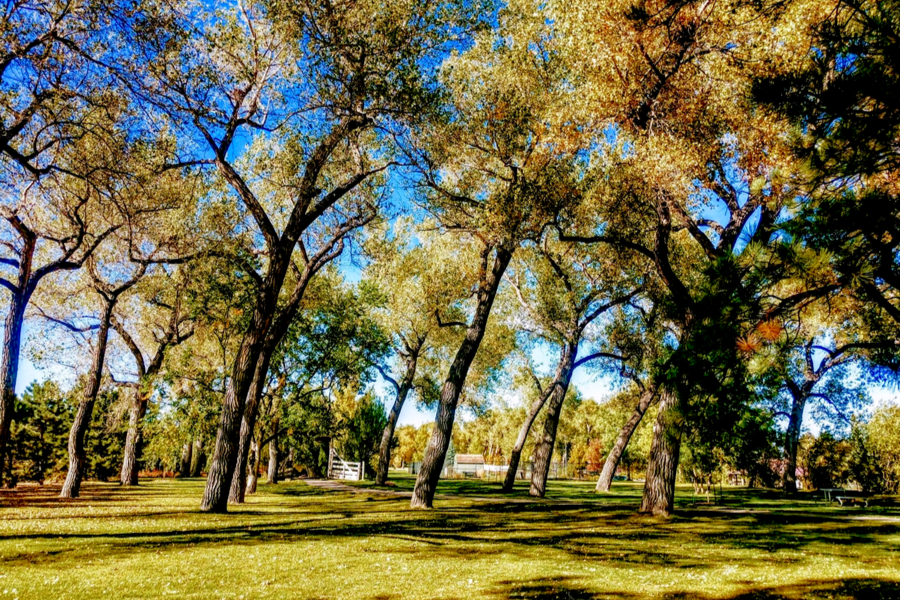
(469, 459)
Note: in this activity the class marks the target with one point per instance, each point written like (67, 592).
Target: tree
(423, 279)
(495, 171)
(802, 384)
(573, 286)
(168, 327)
(61, 132)
(325, 357)
(108, 294)
(840, 91)
(827, 461)
(39, 431)
(338, 74)
(692, 145)
(883, 443)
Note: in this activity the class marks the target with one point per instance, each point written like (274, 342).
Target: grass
(296, 541)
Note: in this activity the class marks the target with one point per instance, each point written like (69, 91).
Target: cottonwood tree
(61, 124)
(423, 277)
(54, 227)
(328, 352)
(159, 321)
(812, 358)
(104, 281)
(564, 289)
(58, 121)
(700, 146)
(638, 336)
(315, 79)
(496, 171)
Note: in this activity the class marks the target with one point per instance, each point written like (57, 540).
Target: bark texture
(615, 453)
(9, 368)
(224, 459)
(436, 451)
(516, 455)
(272, 472)
(659, 487)
(248, 425)
(197, 459)
(133, 441)
(402, 388)
(74, 477)
(792, 442)
(543, 452)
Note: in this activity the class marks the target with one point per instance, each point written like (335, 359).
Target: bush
(828, 462)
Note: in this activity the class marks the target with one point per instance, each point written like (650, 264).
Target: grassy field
(296, 541)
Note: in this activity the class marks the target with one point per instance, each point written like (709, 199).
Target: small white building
(469, 464)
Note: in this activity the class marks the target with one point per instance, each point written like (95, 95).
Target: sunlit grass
(295, 541)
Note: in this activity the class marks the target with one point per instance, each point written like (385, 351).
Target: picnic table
(829, 491)
(844, 497)
(852, 498)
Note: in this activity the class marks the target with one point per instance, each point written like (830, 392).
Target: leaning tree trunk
(272, 472)
(615, 454)
(197, 459)
(516, 454)
(72, 485)
(133, 441)
(248, 425)
(251, 409)
(436, 452)
(225, 453)
(384, 452)
(253, 471)
(659, 487)
(792, 442)
(9, 368)
(543, 453)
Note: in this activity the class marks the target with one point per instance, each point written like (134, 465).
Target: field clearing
(297, 541)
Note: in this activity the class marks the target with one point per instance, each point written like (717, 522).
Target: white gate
(338, 468)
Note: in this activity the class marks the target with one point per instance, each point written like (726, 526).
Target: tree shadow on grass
(574, 588)
(465, 531)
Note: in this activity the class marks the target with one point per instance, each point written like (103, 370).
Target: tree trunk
(253, 471)
(659, 487)
(248, 425)
(133, 441)
(9, 368)
(225, 453)
(184, 468)
(72, 485)
(272, 472)
(197, 459)
(251, 409)
(543, 453)
(384, 453)
(516, 454)
(435, 453)
(792, 442)
(615, 454)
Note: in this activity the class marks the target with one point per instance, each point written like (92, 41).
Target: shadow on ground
(568, 588)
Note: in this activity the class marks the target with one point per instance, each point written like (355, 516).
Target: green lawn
(295, 541)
